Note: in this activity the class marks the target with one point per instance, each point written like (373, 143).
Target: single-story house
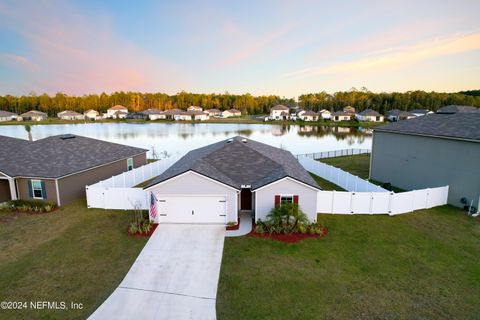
(154, 114)
(198, 115)
(194, 108)
(458, 109)
(369, 115)
(58, 168)
(325, 114)
(171, 114)
(214, 113)
(341, 116)
(308, 116)
(430, 151)
(114, 111)
(280, 112)
(420, 112)
(231, 113)
(70, 115)
(7, 116)
(33, 115)
(91, 114)
(349, 109)
(118, 115)
(212, 184)
(137, 116)
(397, 115)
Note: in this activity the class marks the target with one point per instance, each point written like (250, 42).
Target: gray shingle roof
(455, 109)
(456, 125)
(6, 113)
(54, 157)
(280, 107)
(370, 112)
(237, 163)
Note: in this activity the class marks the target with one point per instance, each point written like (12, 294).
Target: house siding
(415, 162)
(194, 184)
(265, 198)
(73, 187)
(50, 188)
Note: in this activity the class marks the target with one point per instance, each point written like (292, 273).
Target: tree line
(136, 101)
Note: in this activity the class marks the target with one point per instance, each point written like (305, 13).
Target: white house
(420, 112)
(369, 115)
(397, 115)
(231, 113)
(214, 113)
(308, 116)
(341, 116)
(280, 112)
(194, 108)
(211, 184)
(325, 114)
(91, 114)
(33, 115)
(113, 111)
(7, 116)
(198, 115)
(70, 115)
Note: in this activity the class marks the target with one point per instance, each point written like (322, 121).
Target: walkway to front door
(174, 277)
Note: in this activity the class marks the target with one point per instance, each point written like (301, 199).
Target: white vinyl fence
(118, 192)
(344, 202)
(339, 177)
(335, 153)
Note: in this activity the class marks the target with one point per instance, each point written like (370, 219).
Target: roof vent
(229, 140)
(244, 140)
(67, 136)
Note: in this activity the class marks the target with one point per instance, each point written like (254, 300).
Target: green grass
(325, 184)
(358, 165)
(72, 254)
(423, 265)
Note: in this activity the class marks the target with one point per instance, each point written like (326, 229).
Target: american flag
(153, 206)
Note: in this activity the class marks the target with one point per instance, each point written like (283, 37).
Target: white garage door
(191, 209)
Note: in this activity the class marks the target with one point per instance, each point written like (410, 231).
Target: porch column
(13, 190)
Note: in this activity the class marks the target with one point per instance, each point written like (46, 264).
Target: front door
(246, 199)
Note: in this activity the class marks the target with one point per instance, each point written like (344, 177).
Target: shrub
(32, 205)
(286, 219)
(231, 223)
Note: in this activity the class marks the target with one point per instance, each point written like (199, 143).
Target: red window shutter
(277, 200)
(295, 199)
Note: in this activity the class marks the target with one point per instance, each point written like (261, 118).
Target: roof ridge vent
(229, 140)
(244, 140)
(67, 136)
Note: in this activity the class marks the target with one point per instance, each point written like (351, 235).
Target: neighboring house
(118, 115)
(212, 184)
(58, 168)
(341, 116)
(397, 115)
(7, 116)
(214, 113)
(113, 111)
(231, 113)
(369, 115)
(154, 114)
(325, 114)
(172, 114)
(308, 116)
(280, 112)
(349, 109)
(194, 108)
(430, 151)
(33, 115)
(198, 115)
(70, 115)
(420, 112)
(458, 109)
(137, 116)
(91, 114)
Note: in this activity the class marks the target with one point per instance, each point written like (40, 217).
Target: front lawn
(71, 255)
(423, 265)
(358, 165)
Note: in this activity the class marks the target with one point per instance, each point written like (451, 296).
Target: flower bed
(143, 234)
(29, 206)
(288, 238)
(233, 227)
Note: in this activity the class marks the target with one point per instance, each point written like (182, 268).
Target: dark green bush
(30, 205)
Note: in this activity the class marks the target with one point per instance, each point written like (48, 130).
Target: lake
(178, 138)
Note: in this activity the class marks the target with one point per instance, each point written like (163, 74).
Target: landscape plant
(141, 223)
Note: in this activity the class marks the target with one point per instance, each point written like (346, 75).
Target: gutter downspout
(13, 190)
(58, 194)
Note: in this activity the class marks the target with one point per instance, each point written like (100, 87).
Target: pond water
(178, 138)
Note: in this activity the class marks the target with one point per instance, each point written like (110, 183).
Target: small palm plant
(29, 130)
(287, 217)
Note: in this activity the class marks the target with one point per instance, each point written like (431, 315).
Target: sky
(285, 48)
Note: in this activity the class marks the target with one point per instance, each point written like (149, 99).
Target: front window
(37, 189)
(286, 199)
(129, 164)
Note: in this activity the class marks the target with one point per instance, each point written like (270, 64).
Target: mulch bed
(288, 238)
(141, 235)
(235, 227)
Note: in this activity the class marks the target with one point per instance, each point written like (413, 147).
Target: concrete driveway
(174, 277)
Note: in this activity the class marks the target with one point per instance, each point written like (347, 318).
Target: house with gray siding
(58, 168)
(430, 151)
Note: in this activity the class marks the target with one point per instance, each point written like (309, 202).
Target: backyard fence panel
(324, 201)
(95, 197)
(420, 198)
(402, 202)
(342, 202)
(125, 198)
(361, 202)
(380, 202)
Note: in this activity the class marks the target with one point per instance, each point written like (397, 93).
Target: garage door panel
(191, 209)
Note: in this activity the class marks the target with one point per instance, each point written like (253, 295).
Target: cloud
(396, 56)
(81, 53)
